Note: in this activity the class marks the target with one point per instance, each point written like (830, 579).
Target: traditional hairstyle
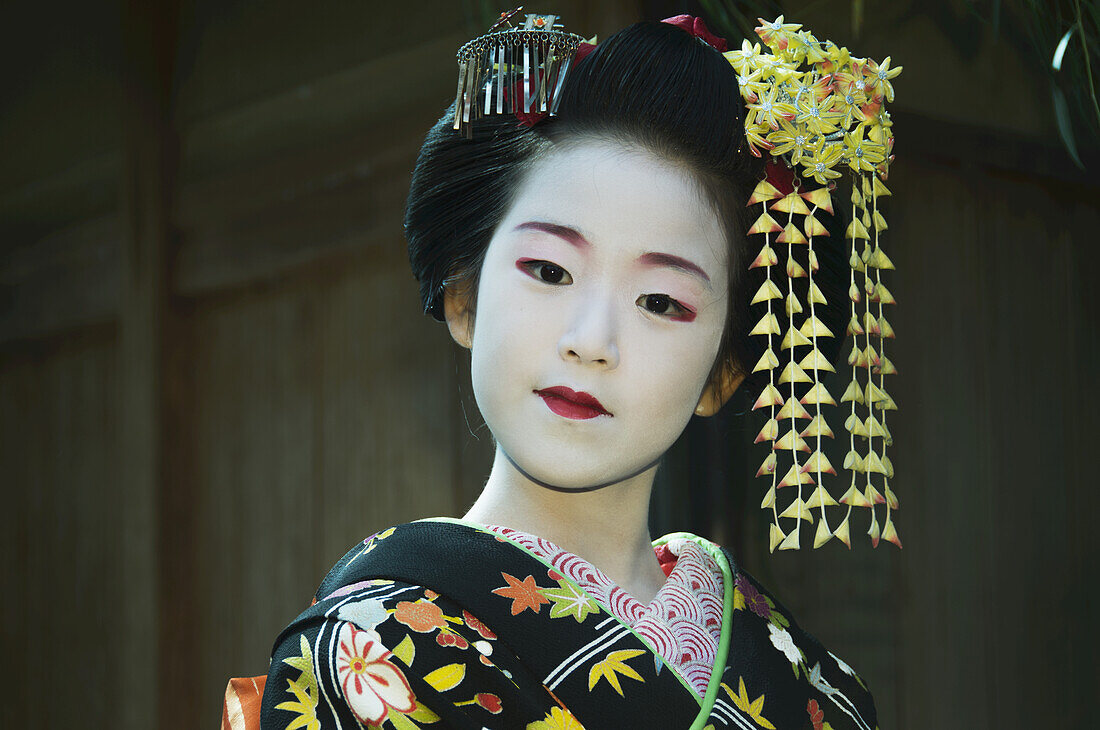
(651, 85)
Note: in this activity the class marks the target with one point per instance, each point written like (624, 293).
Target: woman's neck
(608, 527)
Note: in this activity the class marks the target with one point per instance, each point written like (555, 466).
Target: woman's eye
(665, 306)
(546, 271)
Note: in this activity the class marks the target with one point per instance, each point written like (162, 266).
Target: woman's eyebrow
(675, 262)
(652, 259)
(567, 234)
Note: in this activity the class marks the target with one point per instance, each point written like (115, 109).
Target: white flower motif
(843, 667)
(372, 684)
(784, 642)
(365, 614)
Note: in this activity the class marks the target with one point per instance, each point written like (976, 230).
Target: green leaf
(405, 651)
(447, 677)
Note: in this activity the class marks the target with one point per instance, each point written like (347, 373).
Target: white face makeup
(607, 277)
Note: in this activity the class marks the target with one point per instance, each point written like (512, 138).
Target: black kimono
(439, 624)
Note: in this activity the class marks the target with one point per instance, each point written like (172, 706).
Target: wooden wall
(214, 375)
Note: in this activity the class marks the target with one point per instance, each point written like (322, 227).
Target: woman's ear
(718, 391)
(459, 315)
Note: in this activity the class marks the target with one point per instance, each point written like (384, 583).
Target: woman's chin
(566, 474)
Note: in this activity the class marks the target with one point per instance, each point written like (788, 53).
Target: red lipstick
(571, 404)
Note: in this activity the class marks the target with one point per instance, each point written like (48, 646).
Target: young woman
(594, 262)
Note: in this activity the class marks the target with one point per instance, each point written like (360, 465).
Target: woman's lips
(571, 404)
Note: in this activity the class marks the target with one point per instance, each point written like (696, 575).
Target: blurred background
(215, 376)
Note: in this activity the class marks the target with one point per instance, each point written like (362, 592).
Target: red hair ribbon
(780, 176)
(696, 27)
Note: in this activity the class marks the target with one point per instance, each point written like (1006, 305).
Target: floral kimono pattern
(439, 624)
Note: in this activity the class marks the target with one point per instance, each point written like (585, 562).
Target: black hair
(651, 85)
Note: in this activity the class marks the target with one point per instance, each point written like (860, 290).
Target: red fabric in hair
(696, 27)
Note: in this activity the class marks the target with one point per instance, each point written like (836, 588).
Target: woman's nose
(592, 336)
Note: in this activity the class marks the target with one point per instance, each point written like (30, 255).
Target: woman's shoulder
(772, 657)
(802, 673)
(376, 647)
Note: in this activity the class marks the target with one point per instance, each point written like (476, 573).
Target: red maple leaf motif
(524, 594)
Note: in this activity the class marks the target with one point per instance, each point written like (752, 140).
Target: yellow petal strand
(798, 510)
(854, 497)
(814, 265)
(820, 498)
(793, 338)
(880, 188)
(891, 498)
(873, 464)
(768, 466)
(890, 533)
(792, 409)
(873, 531)
(790, 442)
(768, 290)
(765, 224)
(764, 191)
(775, 537)
(854, 425)
(768, 397)
(885, 366)
(870, 323)
(791, 203)
(882, 295)
(889, 466)
(854, 327)
(842, 533)
(880, 222)
(793, 373)
(815, 296)
(817, 427)
(767, 361)
(769, 432)
(885, 330)
(768, 324)
(853, 393)
(887, 405)
(814, 327)
(874, 394)
(794, 269)
(853, 292)
(769, 499)
(817, 360)
(814, 227)
(856, 229)
(794, 476)
(853, 462)
(873, 495)
(822, 535)
(874, 429)
(819, 197)
(791, 234)
(880, 260)
(856, 263)
(766, 257)
(818, 395)
(790, 542)
(818, 462)
(792, 305)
